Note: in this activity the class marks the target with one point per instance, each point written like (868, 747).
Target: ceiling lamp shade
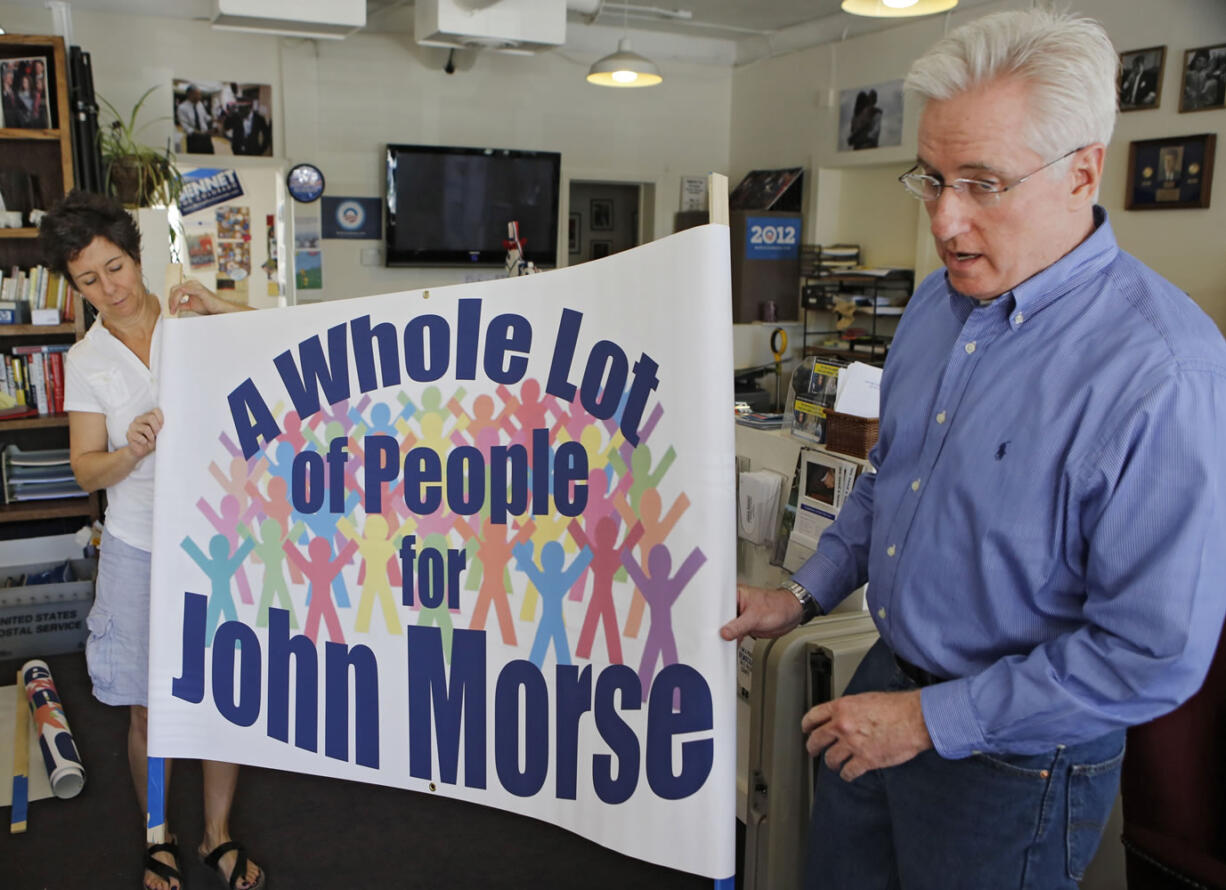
(624, 69)
(897, 8)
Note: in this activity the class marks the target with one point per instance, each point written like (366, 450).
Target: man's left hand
(867, 731)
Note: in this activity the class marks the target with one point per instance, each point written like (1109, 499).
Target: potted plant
(138, 175)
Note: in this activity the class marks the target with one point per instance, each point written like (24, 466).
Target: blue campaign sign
(352, 218)
(206, 187)
(771, 238)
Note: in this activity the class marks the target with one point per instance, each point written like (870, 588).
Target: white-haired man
(1043, 538)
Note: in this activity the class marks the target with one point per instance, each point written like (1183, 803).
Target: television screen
(448, 206)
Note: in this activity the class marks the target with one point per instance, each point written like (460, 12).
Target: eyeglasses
(981, 191)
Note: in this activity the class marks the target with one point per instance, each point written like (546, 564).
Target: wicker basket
(849, 434)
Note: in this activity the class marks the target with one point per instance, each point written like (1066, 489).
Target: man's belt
(916, 674)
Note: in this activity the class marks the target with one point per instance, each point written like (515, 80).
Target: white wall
(336, 103)
(785, 113)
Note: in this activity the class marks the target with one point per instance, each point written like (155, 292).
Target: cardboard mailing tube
(64, 768)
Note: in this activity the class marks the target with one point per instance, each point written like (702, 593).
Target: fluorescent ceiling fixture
(624, 69)
(897, 8)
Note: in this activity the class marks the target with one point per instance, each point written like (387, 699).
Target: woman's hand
(192, 296)
(143, 433)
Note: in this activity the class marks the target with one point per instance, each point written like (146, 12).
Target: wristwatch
(809, 609)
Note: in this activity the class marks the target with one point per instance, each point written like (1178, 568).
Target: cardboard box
(46, 619)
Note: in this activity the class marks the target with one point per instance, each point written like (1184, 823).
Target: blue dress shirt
(1047, 524)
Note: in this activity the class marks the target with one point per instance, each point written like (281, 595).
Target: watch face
(305, 182)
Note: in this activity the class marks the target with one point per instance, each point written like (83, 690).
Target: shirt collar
(1045, 287)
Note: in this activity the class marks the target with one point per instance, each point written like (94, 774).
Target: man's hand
(868, 731)
(762, 613)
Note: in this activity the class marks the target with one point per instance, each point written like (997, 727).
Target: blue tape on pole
(725, 883)
(21, 796)
(155, 769)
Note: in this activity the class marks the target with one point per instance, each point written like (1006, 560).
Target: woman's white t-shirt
(102, 376)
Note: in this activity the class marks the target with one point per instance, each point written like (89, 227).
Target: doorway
(604, 219)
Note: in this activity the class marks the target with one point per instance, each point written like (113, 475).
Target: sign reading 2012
(771, 237)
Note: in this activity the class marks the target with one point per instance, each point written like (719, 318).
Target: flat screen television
(451, 206)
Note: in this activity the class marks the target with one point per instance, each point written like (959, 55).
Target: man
(194, 119)
(14, 113)
(1139, 88)
(1172, 162)
(1043, 537)
(248, 130)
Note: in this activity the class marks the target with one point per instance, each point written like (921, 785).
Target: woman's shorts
(117, 651)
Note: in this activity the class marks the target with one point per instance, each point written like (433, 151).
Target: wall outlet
(372, 256)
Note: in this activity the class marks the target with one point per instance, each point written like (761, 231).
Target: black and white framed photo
(1204, 79)
(601, 249)
(1141, 78)
(602, 214)
(572, 232)
(870, 116)
(1171, 173)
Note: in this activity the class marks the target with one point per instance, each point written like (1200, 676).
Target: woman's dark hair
(77, 220)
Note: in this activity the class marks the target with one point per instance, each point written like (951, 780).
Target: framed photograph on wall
(1170, 173)
(572, 232)
(27, 94)
(601, 249)
(1141, 78)
(1204, 79)
(870, 116)
(602, 214)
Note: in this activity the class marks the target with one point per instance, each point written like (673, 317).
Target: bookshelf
(36, 170)
(58, 515)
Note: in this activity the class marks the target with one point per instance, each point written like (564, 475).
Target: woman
(113, 423)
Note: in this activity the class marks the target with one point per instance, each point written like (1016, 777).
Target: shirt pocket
(111, 388)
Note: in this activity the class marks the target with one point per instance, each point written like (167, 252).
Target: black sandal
(166, 872)
(213, 861)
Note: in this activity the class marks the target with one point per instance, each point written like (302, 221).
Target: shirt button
(970, 347)
(889, 551)
(915, 485)
(1019, 318)
(941, 417)
(881, 613)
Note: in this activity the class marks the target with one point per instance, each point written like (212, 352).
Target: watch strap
(808, 605)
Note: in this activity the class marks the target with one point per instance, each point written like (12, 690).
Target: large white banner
(475, 541)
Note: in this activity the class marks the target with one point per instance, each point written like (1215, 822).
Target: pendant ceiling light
(624, 69)
(897, 8)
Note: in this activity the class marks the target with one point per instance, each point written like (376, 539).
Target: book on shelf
(17, 412)
(35, 288)
(33, 375)
(14, 312)
(760, 420)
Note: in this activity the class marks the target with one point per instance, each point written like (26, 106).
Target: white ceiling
(713, 18)
(717, 31)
